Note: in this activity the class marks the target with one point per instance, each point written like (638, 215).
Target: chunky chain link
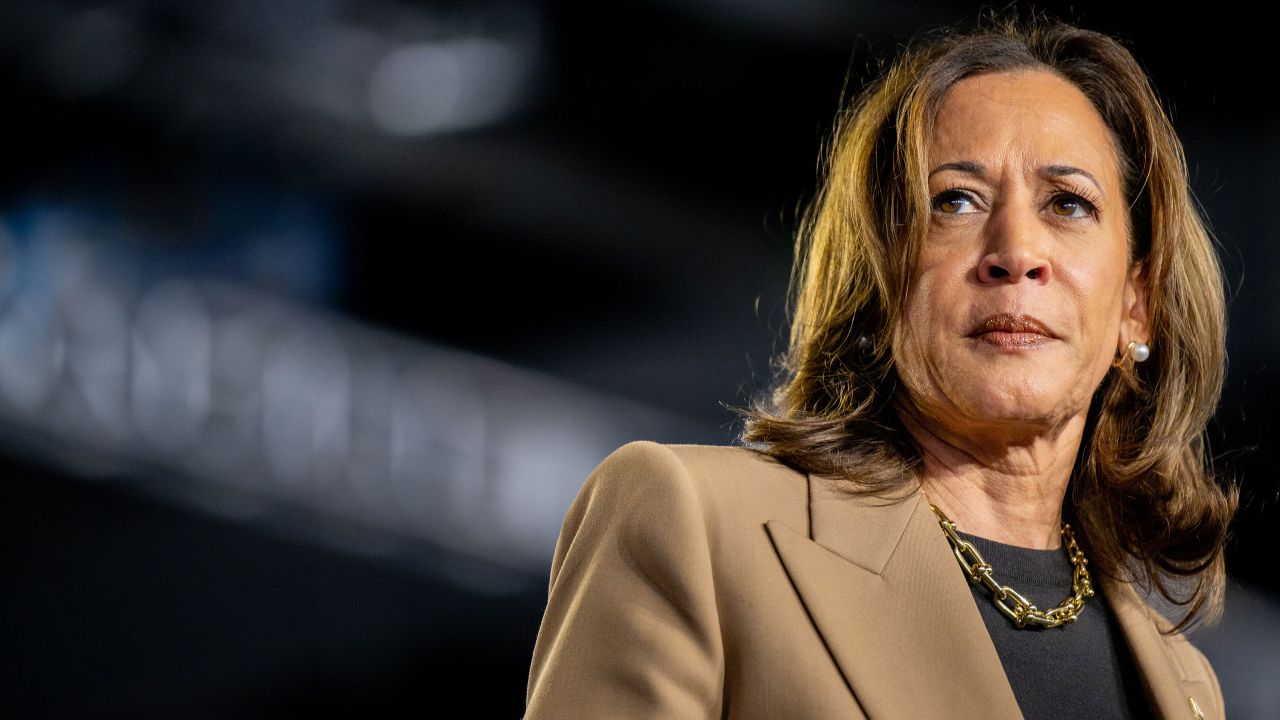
(1010, 602)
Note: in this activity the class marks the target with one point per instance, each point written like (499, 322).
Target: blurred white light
(374, 387)
(240, 337)
(546, 441)
(438, 450)
(98, 353)
(31, 352)
(450, 85)
(306, 393)
(543, 457)
(171, 365)
(238, 350)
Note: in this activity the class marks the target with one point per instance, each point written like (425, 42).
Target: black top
(1078, 670)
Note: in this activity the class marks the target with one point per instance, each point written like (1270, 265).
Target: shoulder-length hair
(1142, 489)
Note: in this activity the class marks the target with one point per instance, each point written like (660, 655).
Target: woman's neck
(1006, 490)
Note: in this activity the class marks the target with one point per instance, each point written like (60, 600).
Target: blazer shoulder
(739, 486)
(631, 626)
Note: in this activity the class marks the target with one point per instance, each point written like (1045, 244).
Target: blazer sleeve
(631, 628)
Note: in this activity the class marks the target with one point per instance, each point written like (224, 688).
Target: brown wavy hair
(1142, 491)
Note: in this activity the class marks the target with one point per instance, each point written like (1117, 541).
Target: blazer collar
(885, 592)
(883, 589)
(1170, 687)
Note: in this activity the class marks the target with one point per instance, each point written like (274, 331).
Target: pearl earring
(1139, 351)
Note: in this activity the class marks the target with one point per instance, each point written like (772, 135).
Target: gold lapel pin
(1195, 708)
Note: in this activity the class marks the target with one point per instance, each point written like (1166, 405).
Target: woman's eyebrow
(973, 168)
(964, 166)
(1064, 170)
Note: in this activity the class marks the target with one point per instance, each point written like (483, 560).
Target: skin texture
(1029, 222)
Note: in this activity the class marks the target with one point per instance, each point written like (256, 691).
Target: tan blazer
(694, 581)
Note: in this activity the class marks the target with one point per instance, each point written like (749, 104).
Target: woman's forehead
(1029, 119)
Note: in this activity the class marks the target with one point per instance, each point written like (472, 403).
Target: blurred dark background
(315, 314)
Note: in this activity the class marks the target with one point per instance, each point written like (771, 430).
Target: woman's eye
(1068, 205)
(953, 202)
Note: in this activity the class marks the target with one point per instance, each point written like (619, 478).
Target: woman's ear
(1133, 319)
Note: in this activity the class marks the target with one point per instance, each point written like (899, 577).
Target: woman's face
(1023, 294)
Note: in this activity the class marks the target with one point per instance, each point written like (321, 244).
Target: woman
(1007, 338)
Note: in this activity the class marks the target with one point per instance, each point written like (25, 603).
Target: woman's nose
(1014, 252)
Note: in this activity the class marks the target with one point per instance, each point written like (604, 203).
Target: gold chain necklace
(1022, 612)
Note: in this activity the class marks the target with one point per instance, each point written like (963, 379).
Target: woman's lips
(1012, 331)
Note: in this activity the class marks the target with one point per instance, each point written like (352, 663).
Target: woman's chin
(1021, 417)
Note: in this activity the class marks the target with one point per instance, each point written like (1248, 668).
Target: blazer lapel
(1140, 625)
(883, 589)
